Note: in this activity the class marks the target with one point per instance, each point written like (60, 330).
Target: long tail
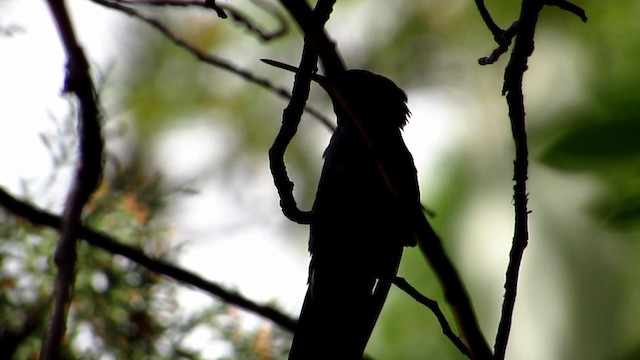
(338, 316)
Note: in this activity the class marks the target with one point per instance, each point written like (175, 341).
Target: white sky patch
(434, 130)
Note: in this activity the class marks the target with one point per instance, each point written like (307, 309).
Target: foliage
(120, 311)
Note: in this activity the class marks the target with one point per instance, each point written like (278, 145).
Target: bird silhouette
(361, 218)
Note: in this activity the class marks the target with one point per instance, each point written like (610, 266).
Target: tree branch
(504, 41)
(316, 36)
(570, 7)
(291, 119)
(88, 173)
(433, 306)
(210, 59)
(107, 243)
(453, 287)
(513, 76)
(486, 16)
(222, 10)
(512, 87)
(504, 37)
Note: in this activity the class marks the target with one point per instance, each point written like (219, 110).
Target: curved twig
(570, 7)
(222, 10)
(210, 59)
(504, 37)
(291, 119)
(435, 309)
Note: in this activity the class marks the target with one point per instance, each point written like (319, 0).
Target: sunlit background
(192, 141)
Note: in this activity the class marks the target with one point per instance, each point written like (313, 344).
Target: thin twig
(39, 217)
(502, 37)
(88, 173)
(210, 4)
(486, 16)
(504, 41)
(222, 10)
(210, 59)
(454, 290)
(570, 7)
(435, 309)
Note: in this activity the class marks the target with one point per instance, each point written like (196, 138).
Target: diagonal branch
(222, 10)
(504, 37)
(210, 59)
(488, 20)
(433, 306)
(570, 7)
(503, 40)
(87, 176)
(107, 243)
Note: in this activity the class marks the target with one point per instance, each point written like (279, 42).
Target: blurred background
(187, 176)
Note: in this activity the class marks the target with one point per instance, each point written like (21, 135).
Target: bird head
(377, 101)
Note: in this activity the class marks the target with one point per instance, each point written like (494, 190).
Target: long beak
(321, 80)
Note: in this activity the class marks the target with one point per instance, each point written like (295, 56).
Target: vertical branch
(291, 119)
(524, 31)
(514, 73)
(88, 173)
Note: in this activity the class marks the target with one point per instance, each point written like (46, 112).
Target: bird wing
(356, 243)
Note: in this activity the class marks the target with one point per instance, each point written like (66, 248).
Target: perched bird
(367, 192)
(361, 219)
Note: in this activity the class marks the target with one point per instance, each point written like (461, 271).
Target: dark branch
(316, 36)
(570, 7)
(291, 119)
(513, 76)
(210, 59)
(503, 37)
(222, 10)
(433, 306)
(504, 41)
(486, 16)
(105, 242)
(87, 176)
(454, 290)
(212, 5)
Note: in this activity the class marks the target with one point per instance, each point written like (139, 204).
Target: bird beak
(321, 80)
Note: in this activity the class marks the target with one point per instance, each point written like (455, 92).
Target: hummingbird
(367, 191)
